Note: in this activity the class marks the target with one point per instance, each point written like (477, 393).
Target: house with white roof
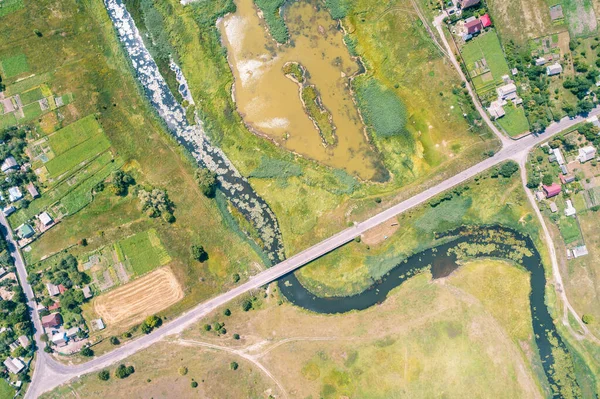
(593, 120)
(45, 218)
(14, 365)
(9, 165)
(554, 69)
(558, 155)
(570, 209)
(586, 154)
(507, 92)
(14, 194)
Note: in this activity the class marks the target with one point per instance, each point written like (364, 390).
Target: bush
(183, 370)
(124, 372)
(194, 384)
(114, 341)
(207, 181)
(104, 375)
(207, 327)
(508, 169)
(246, 305)
(233, 365)
(236, 277)
(87, 352)
(587, 318)
(236, 336)
(227, 312)
(199, 253)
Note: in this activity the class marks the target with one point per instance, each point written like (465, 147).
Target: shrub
(207, 181)
(247, 305)
(104, 375)
(547, 180)
(207, 327)
(227, 312)
(233, 365)
(587, 318)
(236, 336)
(87, 352)
(183, 370)
(199, 253)
(124, 372)
(114, 341)
(236, 277)
(194, 384)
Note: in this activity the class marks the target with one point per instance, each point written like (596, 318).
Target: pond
(497, 242)
(270, 103)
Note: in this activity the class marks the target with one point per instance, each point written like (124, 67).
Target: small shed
(33, 190)
(556, 12)
(553, 207)
(554, 69)
(45, 219)
(9, 210)
(87, 292)
(570, 209)
(540, 61)
(486, 21)
(24, 341)
(52, 289)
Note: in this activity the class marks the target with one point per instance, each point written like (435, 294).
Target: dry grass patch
(145, 296)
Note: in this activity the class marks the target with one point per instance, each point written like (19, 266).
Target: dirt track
(134, 301)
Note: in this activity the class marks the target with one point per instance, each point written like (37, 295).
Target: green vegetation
(149, 324)
(198, 253)
(382, 109)
(207, 181)
(294, 69)
(580, 17)
(273, 17)
(74, 134)
(569, 229)
(514, 122)
(274, 168)
(14, 65)
(7, 7)
(144, 252)
(319, 114)
(338, 8)
(72, 157)
(123, 372)
(31, 95)
(104, 375)
(486, 47)
(6, 391)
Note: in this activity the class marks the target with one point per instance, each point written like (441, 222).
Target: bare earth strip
(140, 298)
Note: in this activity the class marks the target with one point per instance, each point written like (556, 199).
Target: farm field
(143, 251)
(9, 6)
(14, 65)
(408, 345)
(131, 303)
(521, 20)
(580, 17)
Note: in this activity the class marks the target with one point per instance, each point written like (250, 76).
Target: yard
(514, 122)
(569, 229)
(144, 252)
(485, 49)
(31, 95)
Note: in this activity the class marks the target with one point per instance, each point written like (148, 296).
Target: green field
(144, 252)
(75, 144)
(6, 391)
(31, 95)
(486, 46)
(569, 229)
(514, 122)
(580, 17)
(31, 112)
(8, 6)
(7, 120)
(15, 65)
(74, 134)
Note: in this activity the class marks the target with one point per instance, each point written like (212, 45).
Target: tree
(233, 365)
(150, 323)
(194, 384)
(533, 181)
(87, 352)
(114, 341)
(156, 203)
(124, 372)
(207, 181)
(207, 327)
(104, 375)
(19, 352)
(236, 336)
(227, 312)
(121, 182)
(247, 305)
(509, 168)
(547, 180)
(199, 253)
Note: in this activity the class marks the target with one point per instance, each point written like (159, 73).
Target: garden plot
(143, 252)
(485, 62)
(105, 268)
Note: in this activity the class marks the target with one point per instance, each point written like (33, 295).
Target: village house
(473, 26)
(9, 210)
(554, 69)
(33, 191)
(25, 231)
(566, 179)
(24, 341)
(557, 156)
(586, 154)
(570, 209)
(467, 3)
(87, 292)
(594, 121)
(540, 61)
(45, 219)
(9, 165)
(52, 289)
(579, 251)
(14, 194)
(52, 320)
(552, 190)
(486, 21)
(14, 365)
(507, 92)
(59, 339)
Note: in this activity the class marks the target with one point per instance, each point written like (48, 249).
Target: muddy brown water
(270, 103)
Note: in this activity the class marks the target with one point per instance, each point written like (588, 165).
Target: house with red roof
(52, 320)
(473, 27)
(552, 190)
(486, 21)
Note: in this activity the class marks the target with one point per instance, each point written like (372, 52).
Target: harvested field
(521, 20)
(380, 233)
(145, 296)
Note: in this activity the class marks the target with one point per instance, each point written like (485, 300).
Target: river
(192, 136)
(441, 261)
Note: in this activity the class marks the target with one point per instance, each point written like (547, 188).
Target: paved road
(49, 373)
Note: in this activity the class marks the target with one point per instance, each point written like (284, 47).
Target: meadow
(144, 252)
(514, 123)
(14, 65)
(272, 14)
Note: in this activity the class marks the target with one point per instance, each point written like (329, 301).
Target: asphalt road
(49, 373)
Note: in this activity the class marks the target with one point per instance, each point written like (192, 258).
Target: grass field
(521, 20)
(6, 391)
(132, 302)
(569, 229)
(74, 134)
(486, 46)
(31, 95)
(7, 120)
(144, 252)
(73, 156)
(514, 122)
(580, 17)
(14, 65)
(31, 112)
(8, 6)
